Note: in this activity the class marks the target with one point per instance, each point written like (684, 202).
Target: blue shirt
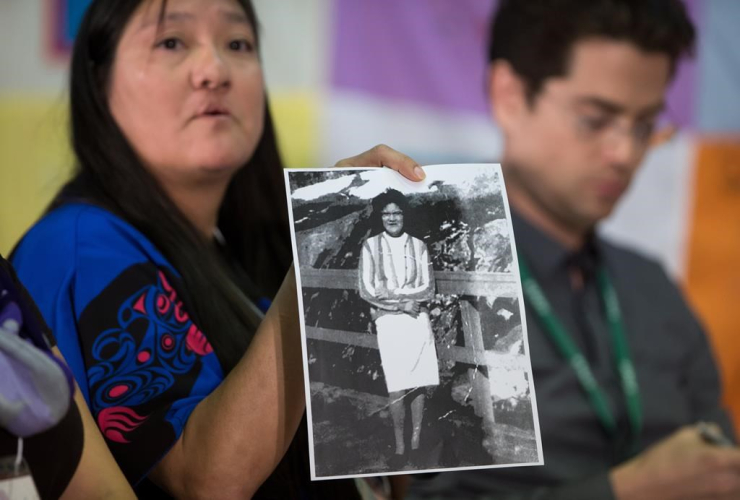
(115, 307)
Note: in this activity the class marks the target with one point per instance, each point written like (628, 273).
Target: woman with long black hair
(157, 264)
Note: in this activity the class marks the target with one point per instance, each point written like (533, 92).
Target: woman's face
(188, 92)
(392, 219)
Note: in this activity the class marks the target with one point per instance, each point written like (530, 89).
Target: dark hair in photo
(253, 217)
(380, 202)
(536, 36)
(389, 196)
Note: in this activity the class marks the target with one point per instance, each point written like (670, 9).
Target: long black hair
(253, 217)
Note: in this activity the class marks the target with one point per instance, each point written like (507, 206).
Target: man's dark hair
(536, 36)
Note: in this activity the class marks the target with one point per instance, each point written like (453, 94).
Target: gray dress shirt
(676, 371)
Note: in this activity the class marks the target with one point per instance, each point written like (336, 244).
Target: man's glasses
(606, 127)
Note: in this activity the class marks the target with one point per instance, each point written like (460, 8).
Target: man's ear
(507, 94)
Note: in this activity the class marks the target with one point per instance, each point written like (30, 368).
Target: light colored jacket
(377, 274)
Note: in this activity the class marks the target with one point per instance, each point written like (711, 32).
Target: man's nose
(623, 147)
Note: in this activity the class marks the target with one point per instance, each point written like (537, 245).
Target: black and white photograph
(414, 337)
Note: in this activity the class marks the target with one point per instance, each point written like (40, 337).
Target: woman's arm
(97, 474)
(366, 286)
(237, 435)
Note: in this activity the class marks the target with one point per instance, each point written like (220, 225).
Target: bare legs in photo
(398, 415)
(417, 413)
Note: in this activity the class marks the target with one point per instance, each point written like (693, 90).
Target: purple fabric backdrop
(682, 98)
(428, 52)
(433, 52)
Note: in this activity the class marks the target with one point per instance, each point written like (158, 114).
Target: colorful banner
(430, 52)
(66, 16)
(345, 75)
(713, 278)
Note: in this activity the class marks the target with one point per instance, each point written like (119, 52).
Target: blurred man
(622, 369)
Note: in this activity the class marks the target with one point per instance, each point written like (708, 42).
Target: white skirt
(407, 351)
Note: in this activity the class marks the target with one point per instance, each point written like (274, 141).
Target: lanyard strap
(568, 349)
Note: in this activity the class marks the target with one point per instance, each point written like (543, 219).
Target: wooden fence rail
(458, 354)
(447, 282)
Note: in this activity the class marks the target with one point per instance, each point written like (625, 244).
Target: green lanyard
(568, 349)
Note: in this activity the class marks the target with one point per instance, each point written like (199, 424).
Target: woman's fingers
(384, 156)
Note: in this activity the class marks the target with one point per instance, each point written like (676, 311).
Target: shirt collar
(544, 254)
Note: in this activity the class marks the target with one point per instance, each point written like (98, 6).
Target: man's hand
(682, 466)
